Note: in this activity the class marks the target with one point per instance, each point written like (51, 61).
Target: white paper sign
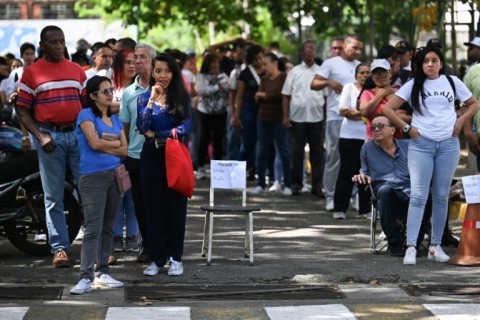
(228, 174)
(471, 187)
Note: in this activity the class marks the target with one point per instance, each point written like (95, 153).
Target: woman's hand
(385, 91)
(259, 96)
(157, 91)
(149, 134)
(458, 126)
(413, 133)
(235, 121)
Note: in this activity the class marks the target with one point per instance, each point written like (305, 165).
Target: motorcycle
(22, 209)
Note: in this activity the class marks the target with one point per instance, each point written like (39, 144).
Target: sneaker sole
(117, 250)
(78, 293)
(175, 273)
(433, 258)
(108, 285)
(150, 274)
(60, 265)
(132, 250)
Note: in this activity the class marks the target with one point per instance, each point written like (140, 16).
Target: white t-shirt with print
(351, 129)
(341, 70)
(438, 108)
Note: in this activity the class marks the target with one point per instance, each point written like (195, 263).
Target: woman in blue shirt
(102, 143)
(165, 107)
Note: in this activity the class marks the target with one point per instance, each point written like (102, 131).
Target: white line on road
(324, 312)
(13, 313)
(464, 311)
(151, 313)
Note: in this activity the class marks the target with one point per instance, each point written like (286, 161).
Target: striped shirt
(56, 91)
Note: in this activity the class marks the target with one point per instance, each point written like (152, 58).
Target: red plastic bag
(179, 166)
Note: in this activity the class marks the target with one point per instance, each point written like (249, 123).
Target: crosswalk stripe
(151, 313)
(13, 313)
(454, 311)
(323, 312)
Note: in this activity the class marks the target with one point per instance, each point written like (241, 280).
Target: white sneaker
(106, 280)
(330, 204)
(287, 191)
(306, 188)
(257, 190)
(201, 174)
(367, 216)
(354, 203)
(339, 215)
(436, 253)
(176, 268)
(83, 286)
(410, 256)
(152, 270)
(40, 237)
(79, 236)
(276, 187)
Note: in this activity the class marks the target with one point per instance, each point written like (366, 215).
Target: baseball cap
(475, 41)
(380, 63)
(434, 42)
(403, 46)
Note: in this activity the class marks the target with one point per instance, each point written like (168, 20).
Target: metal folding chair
(228, 175)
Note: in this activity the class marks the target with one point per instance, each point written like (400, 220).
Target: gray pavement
(296, 243)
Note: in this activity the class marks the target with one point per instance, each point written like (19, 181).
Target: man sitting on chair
(385, 167)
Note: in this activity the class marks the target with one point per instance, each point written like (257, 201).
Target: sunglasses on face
(379, 126)
(106, 92)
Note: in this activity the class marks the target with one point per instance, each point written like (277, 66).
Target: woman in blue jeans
(434, 149)
(102, 143)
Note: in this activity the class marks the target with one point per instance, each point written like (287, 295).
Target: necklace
(160, 101)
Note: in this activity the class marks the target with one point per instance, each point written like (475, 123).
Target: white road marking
(464, 311)
(319, 312)
(13, 313)
(151, 313)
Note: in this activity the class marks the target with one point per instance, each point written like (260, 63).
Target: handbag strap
(174, 134)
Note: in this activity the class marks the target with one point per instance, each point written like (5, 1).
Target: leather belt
(56, 128)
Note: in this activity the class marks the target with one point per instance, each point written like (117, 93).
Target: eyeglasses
(106, 92)
(379, 126)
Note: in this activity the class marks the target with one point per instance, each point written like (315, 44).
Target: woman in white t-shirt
(352, 137)
(434, 149)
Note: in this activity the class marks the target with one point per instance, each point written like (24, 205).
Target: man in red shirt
(54, 88)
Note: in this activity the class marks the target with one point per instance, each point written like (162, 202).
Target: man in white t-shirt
(332, 75)
(102, 56)
(303, 116)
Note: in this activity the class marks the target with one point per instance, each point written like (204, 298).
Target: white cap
(475, 41)
(380, 63)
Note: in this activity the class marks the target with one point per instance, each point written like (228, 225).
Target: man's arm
(44, 139)
(319, 83)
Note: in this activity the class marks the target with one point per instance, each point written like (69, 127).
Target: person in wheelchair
(385, 168)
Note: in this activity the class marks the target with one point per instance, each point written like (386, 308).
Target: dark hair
(43, 33)
(419, 76)
(207, 61)
(382, 115)
(387, 51)
(179, 56)
(117, 66)
(369, 84)
(79, 57)
(280, 63)
(127, 43)
(177, 96)
(110, 41)
(357, 68)
(252, 51)
(97, 46)
(93, 85)
(25, 46)
(274, 45)
(9, 56)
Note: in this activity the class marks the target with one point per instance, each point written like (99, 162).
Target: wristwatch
(407, 128)
(25, 138)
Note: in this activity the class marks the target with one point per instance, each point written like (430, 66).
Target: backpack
(457, 102)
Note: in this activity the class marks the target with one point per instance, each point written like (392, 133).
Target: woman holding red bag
(165, 107)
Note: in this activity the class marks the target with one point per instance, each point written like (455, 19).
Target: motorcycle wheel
(21, 232)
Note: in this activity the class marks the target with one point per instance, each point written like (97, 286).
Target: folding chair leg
(205, 229)
(250, 236)
(247, 237)
(210, 232)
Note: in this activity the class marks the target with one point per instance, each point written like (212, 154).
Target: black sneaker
(143, 257)
(396, 250)
(449, 240)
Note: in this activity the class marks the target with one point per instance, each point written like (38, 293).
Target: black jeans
(300, 133)
(349, 150)
(133, 167)
(212, 128)
(393, 207)
(165, 209)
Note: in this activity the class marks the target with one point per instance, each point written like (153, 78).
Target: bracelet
(25, 138)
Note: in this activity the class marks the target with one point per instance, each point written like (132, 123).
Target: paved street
(307, 266)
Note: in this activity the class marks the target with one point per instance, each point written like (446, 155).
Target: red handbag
(178, 164)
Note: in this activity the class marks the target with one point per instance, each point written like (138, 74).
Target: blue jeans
(266, 132)
(126, 211)
(248, 116)
(101, 197)
(431, 164)
(52, 170)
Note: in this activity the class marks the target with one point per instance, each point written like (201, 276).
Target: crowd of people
(392, 123)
